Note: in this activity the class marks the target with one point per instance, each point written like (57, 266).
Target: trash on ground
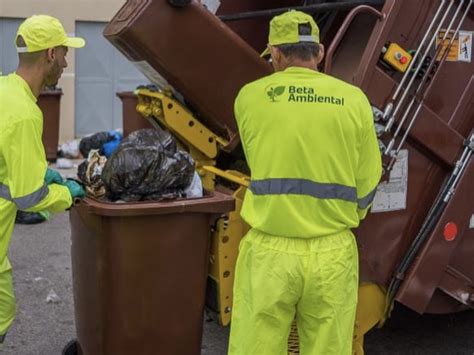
(52, 297)
(63, 163)
(70, 149)
(148, 166)
(105, 142)
(90, 171)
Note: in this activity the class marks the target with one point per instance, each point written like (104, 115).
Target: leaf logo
(274, 93)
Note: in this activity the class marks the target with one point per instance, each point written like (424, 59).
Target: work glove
(75, 189)
(52, 177)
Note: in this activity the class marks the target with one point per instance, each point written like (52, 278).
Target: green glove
(75, 188)
(52, 177)
(45, 214)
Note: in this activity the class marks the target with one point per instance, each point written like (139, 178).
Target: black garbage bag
(23, 217)
(147, 166)
(95, 141)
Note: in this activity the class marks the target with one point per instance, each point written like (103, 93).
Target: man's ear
(51, 54)
(275, 53)
(321, 53)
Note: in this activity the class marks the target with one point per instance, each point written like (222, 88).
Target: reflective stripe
(5, 192)
(303, 187)
(364, 202)
(27, 201)
(307, 38)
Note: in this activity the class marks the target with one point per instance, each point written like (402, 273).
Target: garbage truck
(413, 59)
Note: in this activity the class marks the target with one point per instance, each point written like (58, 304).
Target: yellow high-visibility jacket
(22, 160)
(312, 150)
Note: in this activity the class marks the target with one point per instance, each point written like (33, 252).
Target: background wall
(94, 74)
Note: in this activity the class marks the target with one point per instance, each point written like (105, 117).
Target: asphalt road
(41, 260)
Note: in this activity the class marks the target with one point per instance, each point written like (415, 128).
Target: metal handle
(342, 31)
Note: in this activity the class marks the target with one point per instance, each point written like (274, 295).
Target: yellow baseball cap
(284, 29)
(42, 32)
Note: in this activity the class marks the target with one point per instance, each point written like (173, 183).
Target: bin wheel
(70, 348)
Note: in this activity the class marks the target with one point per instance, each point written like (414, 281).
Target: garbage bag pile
(147, 165)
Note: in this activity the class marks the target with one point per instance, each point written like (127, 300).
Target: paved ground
(41, 261)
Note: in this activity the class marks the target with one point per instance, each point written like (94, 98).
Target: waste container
(210, 85)
(49, 103)
(131, 119)
(139, 274)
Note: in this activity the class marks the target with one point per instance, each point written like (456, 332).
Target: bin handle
(342, 31)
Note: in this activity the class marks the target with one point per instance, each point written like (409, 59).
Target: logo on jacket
(308, 94)
(274, 93)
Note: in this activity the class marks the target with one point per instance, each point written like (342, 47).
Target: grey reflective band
(303, 187)
(5, 192)
(364, 202)
(27, 201)
(22, 49)
(307, 38)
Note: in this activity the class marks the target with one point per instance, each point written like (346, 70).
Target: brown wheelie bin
(163, 41)
(139, 274)
(49, 103)
(131, 119)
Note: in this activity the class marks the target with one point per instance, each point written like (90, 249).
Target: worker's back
(17, 103)
(312, 150)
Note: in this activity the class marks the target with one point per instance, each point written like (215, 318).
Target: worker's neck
(308, 64)
(34, 77)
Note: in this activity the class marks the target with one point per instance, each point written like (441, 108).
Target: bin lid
(208, 70)
(212, 203)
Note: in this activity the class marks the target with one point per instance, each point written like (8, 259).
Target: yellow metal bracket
(173, 115)
(240, 179)
(223, 256)
(370, 312)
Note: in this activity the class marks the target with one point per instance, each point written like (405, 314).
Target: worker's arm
(26, 168)
(369, 168)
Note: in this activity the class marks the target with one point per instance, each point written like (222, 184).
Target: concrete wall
(68, 11)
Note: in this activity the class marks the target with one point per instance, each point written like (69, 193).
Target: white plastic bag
(194, 189)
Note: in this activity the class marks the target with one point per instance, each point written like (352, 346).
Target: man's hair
(27, 58)
(304, 50)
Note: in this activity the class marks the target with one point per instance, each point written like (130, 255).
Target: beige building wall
(68, 11)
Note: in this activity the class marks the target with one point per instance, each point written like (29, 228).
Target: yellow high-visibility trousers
(7, 298)
(277, 278)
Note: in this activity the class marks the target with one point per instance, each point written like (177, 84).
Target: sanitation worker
(310, 143)
(25, 181)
